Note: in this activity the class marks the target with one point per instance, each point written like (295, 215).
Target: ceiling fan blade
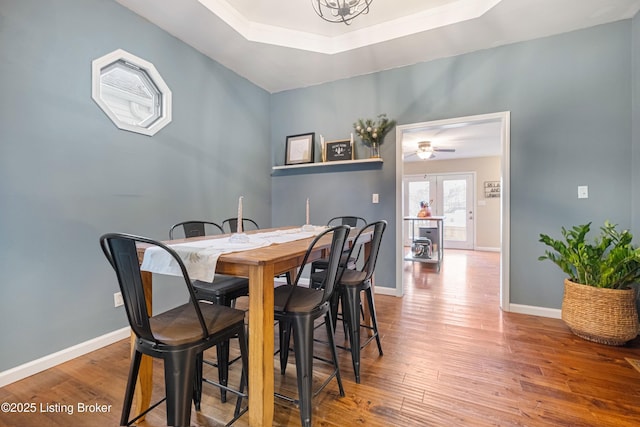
(444, 150)
(414, 156)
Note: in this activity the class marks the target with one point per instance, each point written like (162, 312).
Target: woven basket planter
(605, 316)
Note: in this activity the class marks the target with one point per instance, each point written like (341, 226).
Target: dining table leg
(144, 387)
(261, 336)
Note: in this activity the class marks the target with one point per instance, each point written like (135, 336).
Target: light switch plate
(117, 299)
(583, 192)
(375, 198)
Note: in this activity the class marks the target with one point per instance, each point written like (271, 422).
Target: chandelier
(341, 10)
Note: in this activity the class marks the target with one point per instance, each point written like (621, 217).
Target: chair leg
(345, 325)
(329, 323)
(179, 374)
(374, 320)
(333, 307)
(285, 337)
(131, 386)
(222, 352)
(336, 301)
(244, 355)
(303, 346)
(351, 315)
(197, 382)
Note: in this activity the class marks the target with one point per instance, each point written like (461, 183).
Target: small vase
(375, 150)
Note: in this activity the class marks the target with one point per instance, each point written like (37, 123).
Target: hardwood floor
(451, 358)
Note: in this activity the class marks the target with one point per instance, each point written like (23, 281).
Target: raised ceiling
(282, 45)
(469, 138)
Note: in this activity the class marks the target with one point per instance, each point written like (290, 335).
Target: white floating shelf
(336, 163)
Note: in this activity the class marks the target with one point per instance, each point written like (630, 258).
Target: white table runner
(201, 257)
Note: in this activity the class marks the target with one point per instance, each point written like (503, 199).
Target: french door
(450, 195)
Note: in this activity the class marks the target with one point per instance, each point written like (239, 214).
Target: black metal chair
(224, 290)
(178, 336)
(194, 228)
(296, 309)
(351, 283)
(230, 225)
(346, 260)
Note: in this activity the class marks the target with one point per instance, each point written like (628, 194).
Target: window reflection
(131, 92)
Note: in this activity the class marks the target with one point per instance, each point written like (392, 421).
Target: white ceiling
(283, 45)
(470, 138)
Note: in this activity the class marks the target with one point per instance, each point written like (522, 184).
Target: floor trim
(382, 290)
(30, 368)
(486, 249)
(554, 313)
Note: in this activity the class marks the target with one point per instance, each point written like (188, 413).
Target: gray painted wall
(67, 174)
(570, 103)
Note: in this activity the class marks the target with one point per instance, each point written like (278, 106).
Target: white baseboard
(30, 368)
(554, 313)
(387, 291)
(486, 249)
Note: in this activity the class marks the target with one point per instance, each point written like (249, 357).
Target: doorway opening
(461, 213)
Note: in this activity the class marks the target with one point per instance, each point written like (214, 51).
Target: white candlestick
(307, 211)
(239, 229)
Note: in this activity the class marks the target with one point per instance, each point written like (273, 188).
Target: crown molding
(429, 19)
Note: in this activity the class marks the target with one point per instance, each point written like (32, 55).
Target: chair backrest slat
(230, 225)
(337, 244)
(351, 221)
(195, 228)
(378, 230)
(339, 237)
(122, 254)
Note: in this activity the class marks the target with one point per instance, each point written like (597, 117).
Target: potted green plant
(599, 302)
(372, 132)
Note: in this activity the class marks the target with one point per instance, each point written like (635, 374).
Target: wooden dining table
(260, 266)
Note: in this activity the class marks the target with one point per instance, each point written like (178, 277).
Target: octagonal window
(131, 92)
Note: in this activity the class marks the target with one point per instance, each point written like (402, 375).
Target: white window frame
(147, 127)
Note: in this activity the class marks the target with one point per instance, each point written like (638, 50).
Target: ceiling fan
(425, 150)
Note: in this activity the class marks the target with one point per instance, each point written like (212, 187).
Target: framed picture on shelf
(338, 150)
(299, 149)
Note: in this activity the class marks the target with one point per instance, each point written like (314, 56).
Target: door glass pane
(454, 204)
(418, 192)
